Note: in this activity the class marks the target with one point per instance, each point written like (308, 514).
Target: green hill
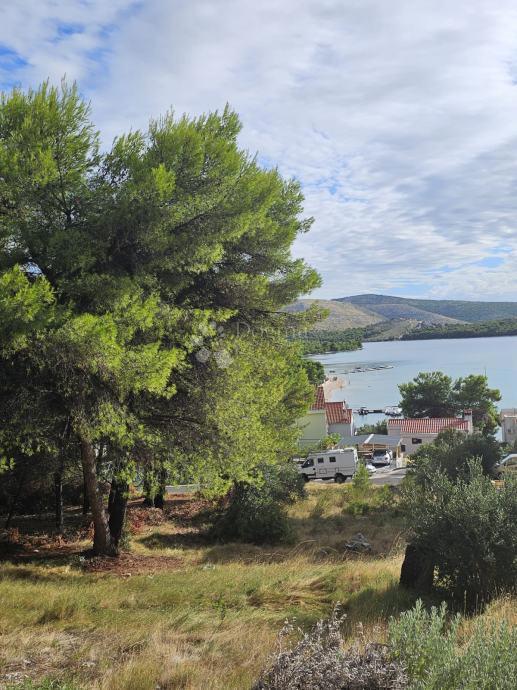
(390, 307)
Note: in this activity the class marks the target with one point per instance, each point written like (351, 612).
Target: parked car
(381, 458)
(508, 465)
(337, 464)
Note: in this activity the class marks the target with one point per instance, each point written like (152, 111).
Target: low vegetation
(182, 610)
(318, 342)
(482, 329)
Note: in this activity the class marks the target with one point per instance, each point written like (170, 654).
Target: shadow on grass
(371, 605)
(19, 573)
(179, 540)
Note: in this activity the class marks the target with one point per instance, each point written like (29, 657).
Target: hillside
(342, 316)
(389, 307)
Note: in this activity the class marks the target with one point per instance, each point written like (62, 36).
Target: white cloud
(399, 118)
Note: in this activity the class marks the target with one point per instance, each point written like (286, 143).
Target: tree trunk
(12, 507)
(86, 502)
(101, 535)
(118, 504)
(148, 488)
(159, 497)
(58, 496)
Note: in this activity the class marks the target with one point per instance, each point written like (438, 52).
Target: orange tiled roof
(431, 425)
(338, 413)
(319, 403)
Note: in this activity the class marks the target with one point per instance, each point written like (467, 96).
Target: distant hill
(342, 315)
(427, 310)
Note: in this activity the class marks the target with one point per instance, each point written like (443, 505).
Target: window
(416, 441)
(308, 463)
(320, 461)
(332, 459)
(402, 448)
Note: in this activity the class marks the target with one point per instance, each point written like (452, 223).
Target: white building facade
(508, 419)
(414, 433)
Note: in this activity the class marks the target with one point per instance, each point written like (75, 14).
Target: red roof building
(431, 425)
(415, 432)
(338, 413)
(319, 402)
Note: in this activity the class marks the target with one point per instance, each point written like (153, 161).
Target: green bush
(469, 530)
(361, 481)
(430, 649)
(451, 454)
(257, 512)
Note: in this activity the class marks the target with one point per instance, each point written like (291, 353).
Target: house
(340, 418)
(325, 417)
(415, 432)
(508, 419)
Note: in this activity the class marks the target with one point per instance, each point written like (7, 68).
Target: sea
(401, 360)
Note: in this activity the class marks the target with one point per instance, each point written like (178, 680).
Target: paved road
(388, 477)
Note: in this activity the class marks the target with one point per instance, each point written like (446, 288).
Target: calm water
(497, 357)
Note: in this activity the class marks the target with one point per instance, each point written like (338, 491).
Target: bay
(495, 357)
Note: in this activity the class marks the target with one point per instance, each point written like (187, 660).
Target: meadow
(180, 611)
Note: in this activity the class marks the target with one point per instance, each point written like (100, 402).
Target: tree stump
(417, 570)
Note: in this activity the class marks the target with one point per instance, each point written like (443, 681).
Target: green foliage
(380, 427)
(483, 329)
(472, 392)
(434, 394)
(328, 442)
(317, 342)
(256, 512)
(469, 528)
(315, 371)
(451, 453)
(361, 480)
(431, 650)
(118, 269)
(427, 395)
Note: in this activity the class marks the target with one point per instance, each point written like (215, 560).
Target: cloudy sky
(399, 118)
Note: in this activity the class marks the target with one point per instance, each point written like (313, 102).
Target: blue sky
(400, 119)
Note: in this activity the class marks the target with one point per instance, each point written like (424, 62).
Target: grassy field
(181, 612)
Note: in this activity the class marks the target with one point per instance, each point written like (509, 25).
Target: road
(383, 477)
(388, 477)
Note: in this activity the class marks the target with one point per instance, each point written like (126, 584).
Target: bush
(430, 648)
(257, 512)
(469, 530)
(361, 481)
(319, 662)
(451, 454)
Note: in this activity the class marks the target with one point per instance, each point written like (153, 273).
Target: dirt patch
(128, 564)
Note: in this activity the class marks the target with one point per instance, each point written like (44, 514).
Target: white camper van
(337, 464)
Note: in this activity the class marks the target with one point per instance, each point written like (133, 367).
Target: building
(366, 444)
(326, 417)
(340, 418)
(508, 419)
(415, 432)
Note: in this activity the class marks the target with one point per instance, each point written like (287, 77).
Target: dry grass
(211, 621)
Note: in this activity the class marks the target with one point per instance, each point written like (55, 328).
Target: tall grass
(212, 621)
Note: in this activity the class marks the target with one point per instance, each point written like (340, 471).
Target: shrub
(319, 662)
(257, 512)
(430, 648)
(451, 454)
(469, 530)
(361, 481)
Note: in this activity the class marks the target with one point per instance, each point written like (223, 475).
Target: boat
(393, 411)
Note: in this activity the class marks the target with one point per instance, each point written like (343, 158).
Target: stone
(359, 544)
